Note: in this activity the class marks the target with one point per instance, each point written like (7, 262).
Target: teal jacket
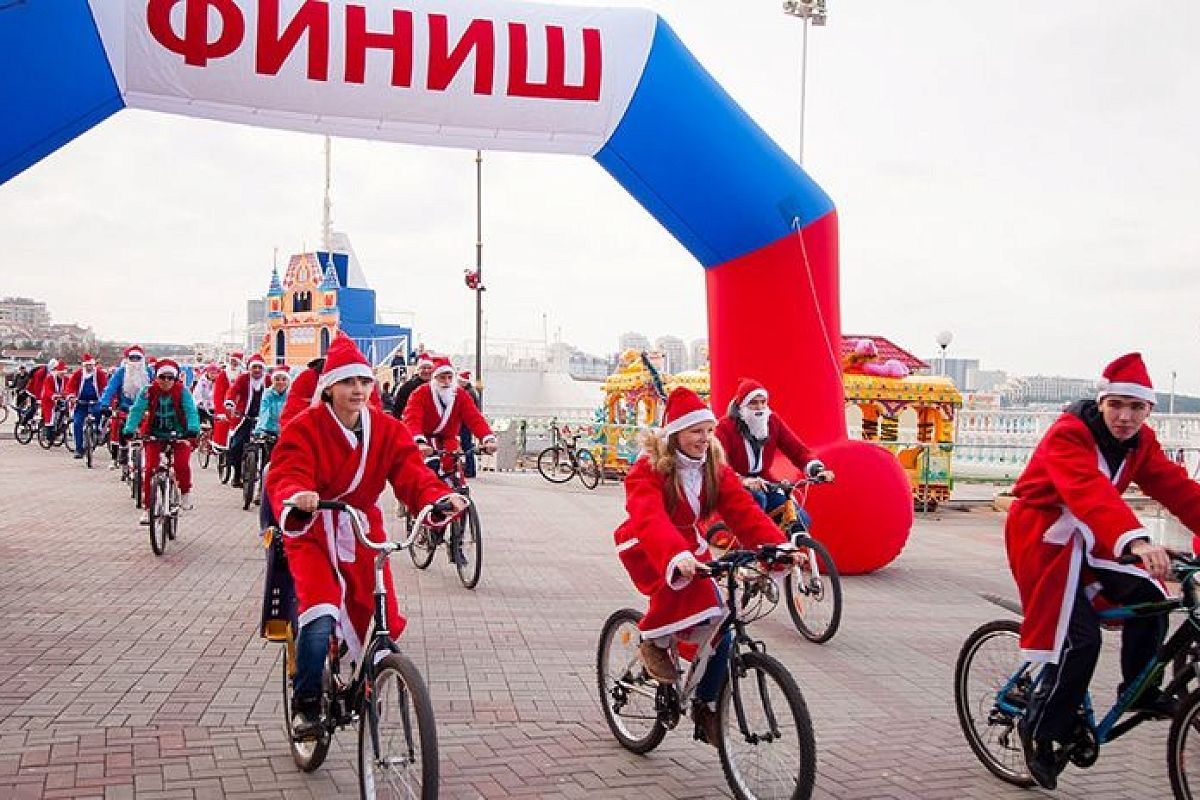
(165, 421)
(268, 411)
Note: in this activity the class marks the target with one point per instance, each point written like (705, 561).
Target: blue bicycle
(991, 698)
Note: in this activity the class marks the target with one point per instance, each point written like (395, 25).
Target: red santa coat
(76, 380)
(1069, 514)
(652, 541)
(333, 572)
(221, 420)
(779, 439)
(53, 387)
(434, 425)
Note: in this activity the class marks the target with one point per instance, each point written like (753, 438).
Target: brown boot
(658, 662)
(708, 723)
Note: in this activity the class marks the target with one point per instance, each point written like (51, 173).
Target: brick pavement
(125, 675)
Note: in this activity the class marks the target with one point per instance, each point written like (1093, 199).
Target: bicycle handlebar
(360, 528)
(768, 554)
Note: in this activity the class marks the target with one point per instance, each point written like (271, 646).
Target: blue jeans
(81, 411)
(715, 670)
(311, 647)
(468, 445)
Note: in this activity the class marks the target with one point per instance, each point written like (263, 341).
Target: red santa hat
(134, 351)
(424, 359)
(88, 360)
(465, 375)
(685, 409)
(1127, 376)
(343, 360)
(56, 366)
(236, 355)
(747, 390)
(254, 359)
(442, 365)
(282, 370)
(166, 367)
(213, 369)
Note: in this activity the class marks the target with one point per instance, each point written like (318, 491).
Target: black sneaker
(78, 454)
(306, 718)
(1155, 702)
(1040, 760)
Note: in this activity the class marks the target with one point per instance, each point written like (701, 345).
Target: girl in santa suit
(341, 448)
(1064, 535)
(679, 482)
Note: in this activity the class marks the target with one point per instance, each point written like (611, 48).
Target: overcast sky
(1022, 175)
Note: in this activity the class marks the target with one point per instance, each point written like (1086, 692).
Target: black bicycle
(164, 497)
(95, 434)
(58, 432)
(26, 426)
(561, 461)
(463, 538)
(131, 470)
(993, 685)
(255, 456)
(385, 695)
(813, 588)
(766, 741)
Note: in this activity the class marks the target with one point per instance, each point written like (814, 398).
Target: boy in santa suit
(221, 386)
(54, 387)
(751, 436)
(164, 415)
(86, 385)
(437, 411)
(341, 448)
(241, 405)
(1065, 533)
(680, 481)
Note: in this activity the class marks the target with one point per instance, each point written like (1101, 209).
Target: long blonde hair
(661, 452)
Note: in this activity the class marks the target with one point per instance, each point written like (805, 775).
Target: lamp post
(808, 11)
(943, 339)
(479, 275)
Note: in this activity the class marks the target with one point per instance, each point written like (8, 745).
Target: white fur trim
(1125, 539)
(444, 368)
(1127, 390)
(756, 393)
(166, 370)
(491, 437)
(712, 612)
(353, 370)
(679, 582)
(317, 611)
(628, 544)
(688, 420)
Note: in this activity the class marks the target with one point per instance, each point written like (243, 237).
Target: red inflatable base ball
(865, 515)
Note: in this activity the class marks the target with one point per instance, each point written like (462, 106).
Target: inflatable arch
(613, 84)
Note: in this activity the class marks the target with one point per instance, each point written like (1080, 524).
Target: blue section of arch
(701, 166)
(55, 80)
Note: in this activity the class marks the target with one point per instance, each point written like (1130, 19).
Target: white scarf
(691, 477)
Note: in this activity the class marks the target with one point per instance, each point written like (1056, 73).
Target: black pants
(1063, 686)
(237, 445)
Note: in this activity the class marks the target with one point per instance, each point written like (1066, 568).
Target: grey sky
(1020, 174)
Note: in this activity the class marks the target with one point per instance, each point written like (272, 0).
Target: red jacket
(1069, 514)
(239, 392)
(779, 439)
(652, 541)
(76, 380)
(432, 425)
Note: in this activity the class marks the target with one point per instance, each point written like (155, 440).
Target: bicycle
(95, 434)
(27, 422)
(464, 545)
(58, 432)
(384, 694)
(813, 588)
(560, 462)
(204, 445)
(164, 497)
(991, 698)
(255, 456)
(766, 731)
(131, 470)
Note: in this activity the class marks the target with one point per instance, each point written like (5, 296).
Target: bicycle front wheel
(467, 548)
(160, 514)
(555, 465)
(66, 438)
(627, 693)
(814, 593)
(986, 665)
(224, 467)
(23, 432)
(249, 476)
(1183, 749)
(397, 736)
(589, 470)
(89, 443)
(45, 437)
(775, 753)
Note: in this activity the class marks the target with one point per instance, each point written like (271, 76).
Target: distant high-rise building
(675, 353)
(256, 322)
(963, 371)
(699, 353)
(633, 341)
(24, 311)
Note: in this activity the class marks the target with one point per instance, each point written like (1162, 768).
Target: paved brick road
(125, 675)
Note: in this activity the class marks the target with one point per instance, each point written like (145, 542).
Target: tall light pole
(479, 274)
(944, 339)
(808, 11)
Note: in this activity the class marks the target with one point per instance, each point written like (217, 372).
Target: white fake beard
(757, 422)
(446, 395)
(135, 379)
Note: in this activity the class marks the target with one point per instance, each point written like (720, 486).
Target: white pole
(803, 83)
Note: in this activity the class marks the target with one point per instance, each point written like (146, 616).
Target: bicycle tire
(588, 469)
(249, 476)
(89, 442)
(550, 463)
(801, 602)
(66, 438)
(468, 536)
(23, 432)
(1012, 769)
(755, 669)
(308, 755)
(159, 513)
(625, 679)
(46, 440)
(398, 683)
(1185, 724)
(224, 468)
(424, 546)
(3, 413)
(173, 513)
(204, 453)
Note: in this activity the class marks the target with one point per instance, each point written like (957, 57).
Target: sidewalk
(126, 675)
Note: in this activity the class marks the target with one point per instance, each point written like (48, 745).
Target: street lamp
(479, 384)
(944, 339)
(808, 11)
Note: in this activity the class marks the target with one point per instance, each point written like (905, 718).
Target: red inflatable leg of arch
(778, 306)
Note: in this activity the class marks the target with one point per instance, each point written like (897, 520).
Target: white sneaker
(145, 519)
(185, 501)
